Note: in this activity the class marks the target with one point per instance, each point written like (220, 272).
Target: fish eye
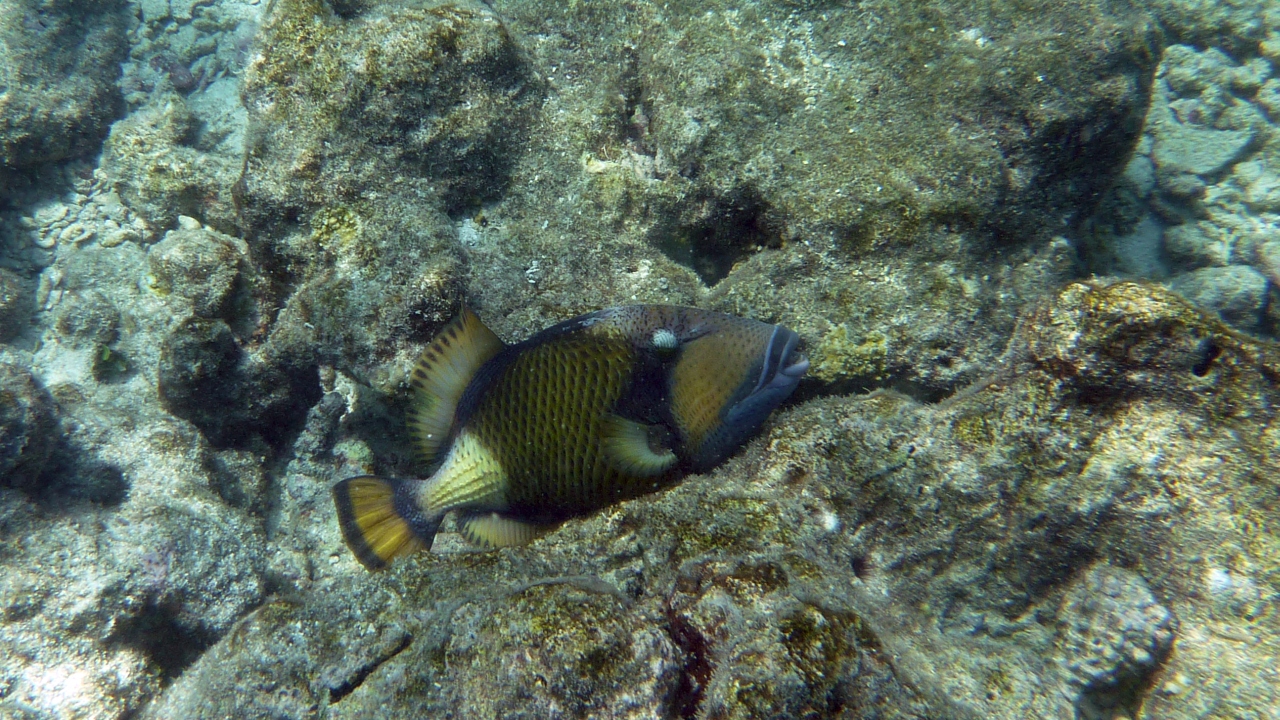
(664, 339)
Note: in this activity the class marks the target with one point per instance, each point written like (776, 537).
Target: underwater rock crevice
(1209, 352)
(716, 233)
(397, 643)
(695, 669)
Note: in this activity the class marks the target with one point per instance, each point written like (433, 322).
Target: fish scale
(569, 437)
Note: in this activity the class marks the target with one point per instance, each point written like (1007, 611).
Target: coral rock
(28, 427)
(200, 265)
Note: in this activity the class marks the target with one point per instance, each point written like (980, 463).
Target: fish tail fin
(380, 519)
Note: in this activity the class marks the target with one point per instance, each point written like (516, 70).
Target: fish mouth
(797, 368)
(793, 364)
(783, 365)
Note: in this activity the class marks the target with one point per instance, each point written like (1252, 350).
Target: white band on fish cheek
(768, 351)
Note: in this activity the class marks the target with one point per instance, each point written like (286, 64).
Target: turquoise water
(1032, 252)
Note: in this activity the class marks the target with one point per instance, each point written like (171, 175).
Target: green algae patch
(733, 524)
(566, 620)
(336, 229)
(303, 52)
(821, 643)
(109, 365)
(840, 357)
(975, 428)
(1144, 340)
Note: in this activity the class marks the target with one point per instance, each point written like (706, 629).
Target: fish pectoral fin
(380, 520)
(491, 530)
(630, 447)
(442, 374)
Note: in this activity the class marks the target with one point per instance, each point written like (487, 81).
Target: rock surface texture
(1088, 532)
(572, 157)
(1003, 491)
(59, 62)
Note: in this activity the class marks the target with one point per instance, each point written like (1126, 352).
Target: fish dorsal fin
(443, 372)
(491, 530)
(628, 446)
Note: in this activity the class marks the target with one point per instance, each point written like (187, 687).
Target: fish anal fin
(379, 520)
(630, 447)
(442, 373)
(491, 530)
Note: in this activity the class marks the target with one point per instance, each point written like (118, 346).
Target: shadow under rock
(205, 377)
(71, 476)
(170, 645)
(720, 232)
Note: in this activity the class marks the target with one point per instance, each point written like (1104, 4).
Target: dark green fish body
(601, 408)
(543, 412)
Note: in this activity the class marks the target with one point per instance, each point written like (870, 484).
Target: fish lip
(782, 375)
(796, 369)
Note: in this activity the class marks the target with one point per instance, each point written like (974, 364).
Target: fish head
(729, 375)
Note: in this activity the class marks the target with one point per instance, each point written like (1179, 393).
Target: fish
(601, 408)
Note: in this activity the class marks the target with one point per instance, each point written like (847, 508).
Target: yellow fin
(380, 521)
(628, 446)
(469, 476)
(492, 530)
(443, 372)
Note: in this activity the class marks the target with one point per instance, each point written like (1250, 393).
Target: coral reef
(870, 557)
(1043, 498)
(59, 61)
(773, 156)
(439, 95)
(691, 164)
(1198, 205)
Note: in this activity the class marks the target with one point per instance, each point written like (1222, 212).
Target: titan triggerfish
(601, 408)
